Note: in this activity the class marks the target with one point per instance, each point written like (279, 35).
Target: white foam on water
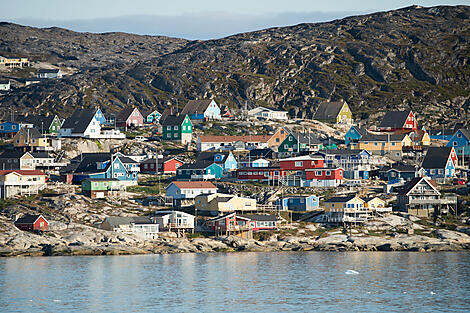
(433, 293)
(351, 272)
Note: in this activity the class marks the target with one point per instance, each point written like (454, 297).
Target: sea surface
(239, 282)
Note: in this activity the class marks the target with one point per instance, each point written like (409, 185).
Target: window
(168, 135)
(317, 173)
(282, 132)
(184, 127)
(328, 173)
(299, 164)
(459, 135)
(1, 127)
(146, 166)
(175, 127)
(455, 143)
(277, 139)
(440, 171)
(255, 173)
(175, 135)
(13, 126)
(168, 128)
(290, 138)
(286, 147)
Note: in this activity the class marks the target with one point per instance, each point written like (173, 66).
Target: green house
(44, 124)
(177, 128)
(97, 188)
(297, 142)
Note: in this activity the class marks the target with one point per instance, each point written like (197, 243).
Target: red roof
(23, 172)
(194, 184)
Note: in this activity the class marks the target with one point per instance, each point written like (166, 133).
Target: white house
(189, 189)
(50, 73)
(267, 113)
(168, 220)
(208, 143)
(4, 85)
(141, 226)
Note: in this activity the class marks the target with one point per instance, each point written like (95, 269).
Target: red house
(301, 163)
(167, 165)
(32, 222)
(398, 120)
(260, 173)
(232, 223)
(130, 117)
(324, 177)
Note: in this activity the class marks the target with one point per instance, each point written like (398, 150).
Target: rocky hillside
(409, 58)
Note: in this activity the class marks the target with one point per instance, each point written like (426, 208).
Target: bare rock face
(375, 62)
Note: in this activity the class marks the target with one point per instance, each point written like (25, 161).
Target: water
(239, 282)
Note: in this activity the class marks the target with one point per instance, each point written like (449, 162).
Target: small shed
(32, 222)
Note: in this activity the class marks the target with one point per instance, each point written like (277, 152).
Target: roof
(394, 119)
(49, 70)
(196, 106)
(31, 132)
(415, 181)
(23, 172)
(210, 156)
(220, 217)
(193, 184)
(12, 154)
(160, 160)
(303, 158)
(361, 130)
(4, 82)
(343, 152)
(436, 157)
(101, 179)
(79, 120)
(124, 114)
(306, 138)
(328, 110)
(39, 121)
(41, 155)
(384, 137)
(248, 138)
(115, 221)
(173, 120)
(465, 132)
(259, 217)
(341, 199)
(263, 153)
(402, 168)
(28, 219)
(199, 164)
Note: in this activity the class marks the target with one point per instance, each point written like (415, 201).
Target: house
(268, 174)
(299, 142)
(298, 203)
(9, 129)
(390, 145)
(17, 160)
(31, 222)
(49, 124)
(441, 134)
(278, 137)
(225, 112)
(30, 138)
(376, 205)
(102, 165)
(440, 163)
(177, 128)
(50, 73)
(260, 222)
(324, 177)
(354, 134)
(176, 221)
(356, 164)
(268, 113)
(302, 163)
(241, 225)
(83, 123)
(461, 142)
(223, 158)
(166, 165)
(202, 110)
(420, 137)
(217, 203)
(13, 61)
(346, 209)
(141, 226)
(234, 143)
(129, 117)
(398, 172)
(335, 112)
(189, 189)
(99, 188)
(398, 120)
(151, 117)
(254, 163)
(5, 85)
(200, 170)
(421, 197)
(21, 182)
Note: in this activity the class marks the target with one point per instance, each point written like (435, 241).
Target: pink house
(130, 117)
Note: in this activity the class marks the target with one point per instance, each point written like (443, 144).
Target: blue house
(355, 163)
(100, 116)
(440, 162)
(224, 159)
(200, 170)
(9, 129)
(461, 142)
(441, 134)
(98, 165)
(298, 203)
(354, 134)
(202, 110)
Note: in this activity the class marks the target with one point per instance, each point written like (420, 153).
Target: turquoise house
(152, 117)
(201, 170)
(224, 159)
(461, 142)
(299, 203)
(355, 133)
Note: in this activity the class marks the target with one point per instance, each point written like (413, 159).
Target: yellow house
(13, 61)
(376, 205)
(389, 144)
(346, 209)
(29, 137)
(219, 202)
(23, 182)
(338, 112)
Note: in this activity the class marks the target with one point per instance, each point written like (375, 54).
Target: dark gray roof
(12, 154)
(31, 132)
(340, 199)
(402, 168)
(160, 160)
(124, 114)
(27, 219)
(394, 119)
(436, 157)
(259, 217)
(79, 120)
(306, 138)
(261, 153)
(441, 132)
(196, 106)
(209, 156)
(41, 155)
(412, 183)
(5, 165)
(328, 110)
(342, 152)
(173, 120)
(49, 70)
(37, 120)
(361, 130)
(198, 165)
(465, 132)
